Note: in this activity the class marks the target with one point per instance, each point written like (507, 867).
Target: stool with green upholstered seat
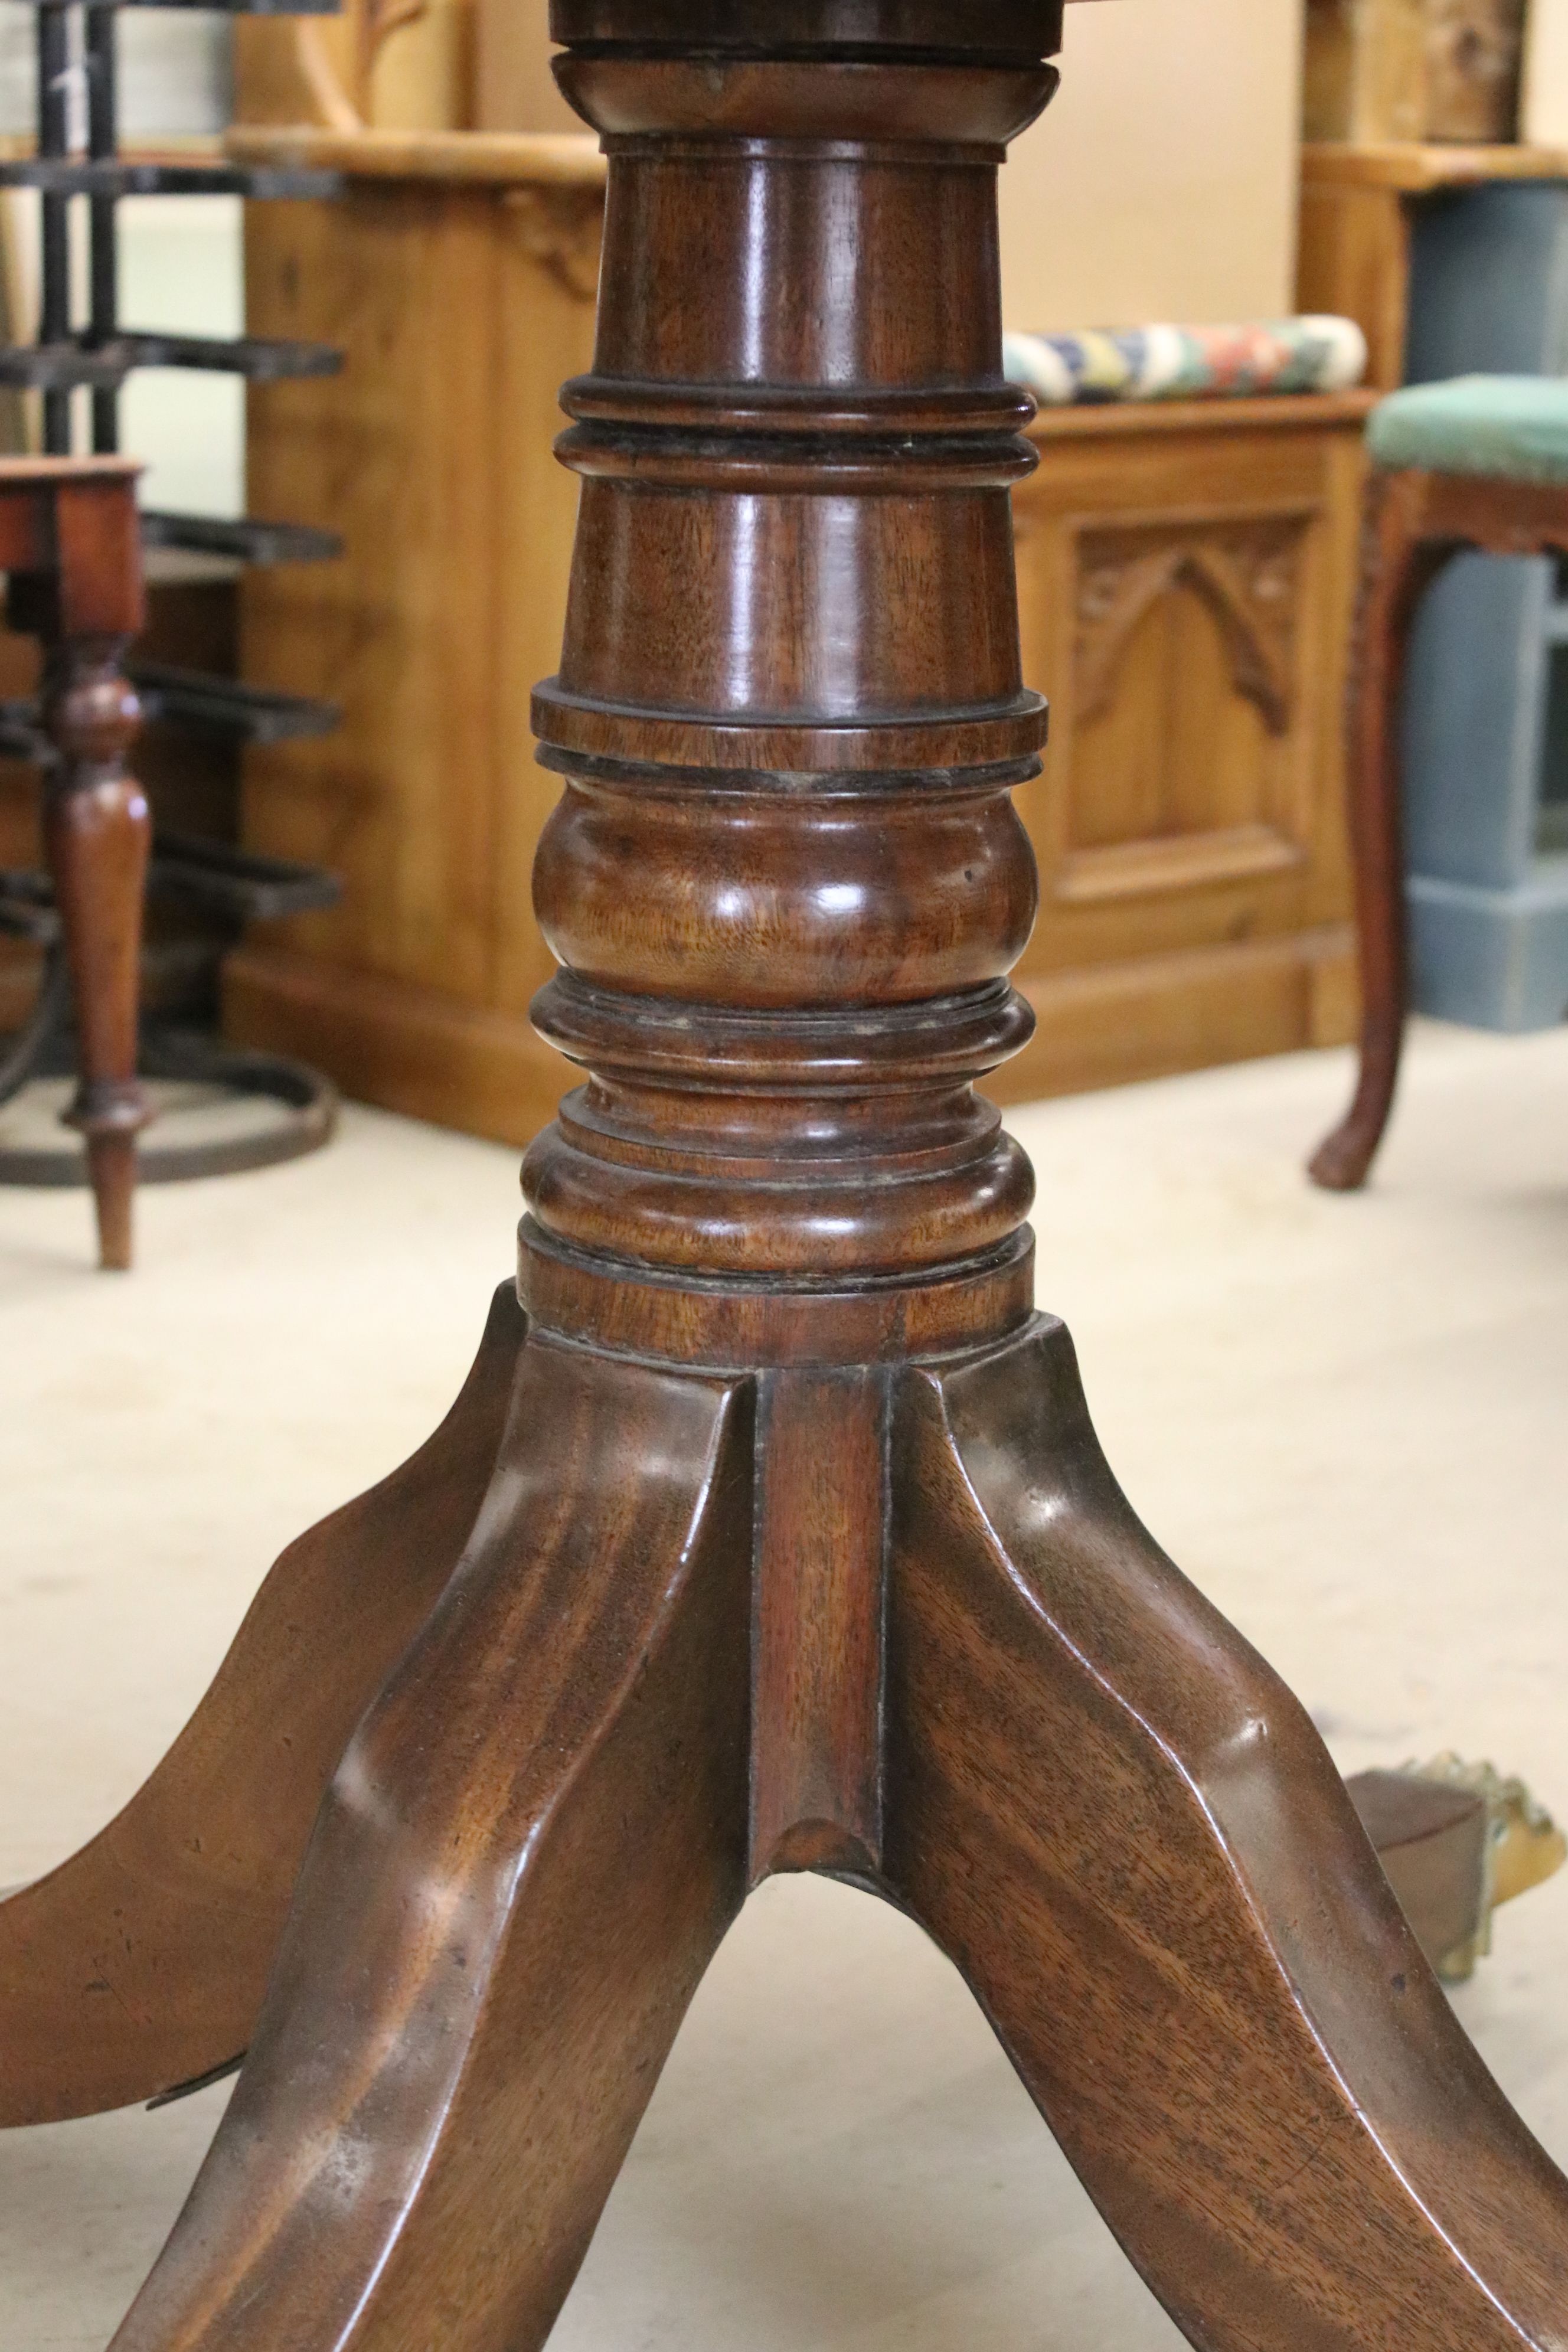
(1477, 463)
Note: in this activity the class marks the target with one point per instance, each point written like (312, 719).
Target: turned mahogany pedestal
(770, 1531)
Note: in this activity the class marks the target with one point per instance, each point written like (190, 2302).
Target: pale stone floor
(1346, 1418)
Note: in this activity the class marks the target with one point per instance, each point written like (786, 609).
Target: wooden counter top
(505, 158)
(1268, 411)
(1410, 168)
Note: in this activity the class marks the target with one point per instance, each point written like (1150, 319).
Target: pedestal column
(785, 880)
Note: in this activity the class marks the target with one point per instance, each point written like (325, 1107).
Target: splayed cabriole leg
(1397, 568)
(1417, 522)
(499, 1926)
(1124, 1829)
(141, 1964)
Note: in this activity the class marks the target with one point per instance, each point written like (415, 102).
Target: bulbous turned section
(785, 878)
(819, 895)
(90, 710)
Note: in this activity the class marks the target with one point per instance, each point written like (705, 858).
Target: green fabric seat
(1511, 427)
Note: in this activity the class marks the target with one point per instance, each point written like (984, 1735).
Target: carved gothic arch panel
(1250, 595)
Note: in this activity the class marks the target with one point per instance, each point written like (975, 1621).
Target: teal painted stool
(1478, 463)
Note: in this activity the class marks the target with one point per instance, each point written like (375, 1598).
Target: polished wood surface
(1216, 2003)
(1416, 523)
(494, 1941)
(70, 547)
(797, 1550)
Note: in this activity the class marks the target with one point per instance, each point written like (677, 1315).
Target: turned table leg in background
(98, 834)
(1416, 523)
(72, 543)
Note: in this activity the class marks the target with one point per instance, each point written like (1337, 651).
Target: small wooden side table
(70, 548)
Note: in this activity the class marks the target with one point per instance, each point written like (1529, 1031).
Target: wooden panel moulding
(1185, 580)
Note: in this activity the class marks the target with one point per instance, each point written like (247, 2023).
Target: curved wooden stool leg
(1400, 565)
(529, 1854)
(1125, 1831)
(97, 836)
(141, 1964)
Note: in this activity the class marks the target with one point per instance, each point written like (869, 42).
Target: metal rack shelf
(57, 367)
(95, 354)
(223, 706)
(247, 538)
(115, 177)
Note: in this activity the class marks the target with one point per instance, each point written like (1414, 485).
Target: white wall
(175, 69)
(182, 267)
(180, 257)
(1161, 183)
(1545, 103)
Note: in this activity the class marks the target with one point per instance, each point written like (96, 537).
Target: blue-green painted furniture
(1486, 736)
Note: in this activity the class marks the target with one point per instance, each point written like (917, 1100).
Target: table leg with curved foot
(1126, 1832)
(140, 1965)
(1399, 566)
(529, 1854)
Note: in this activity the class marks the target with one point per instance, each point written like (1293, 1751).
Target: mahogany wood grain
(1128, 1836)
(1416, 523)
(817, 1660)
(497, 1933)
(797, 1550)
(140, 1965)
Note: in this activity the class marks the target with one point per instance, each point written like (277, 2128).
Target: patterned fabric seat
(1509, 427)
